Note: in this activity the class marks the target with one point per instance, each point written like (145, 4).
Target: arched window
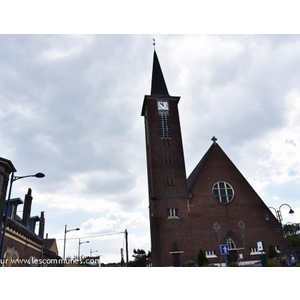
(230, 244)
(11, 257)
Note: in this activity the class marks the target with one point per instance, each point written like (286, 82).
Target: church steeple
(158, 86)
(167, 182)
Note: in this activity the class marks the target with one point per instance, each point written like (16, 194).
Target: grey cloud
(73, 107)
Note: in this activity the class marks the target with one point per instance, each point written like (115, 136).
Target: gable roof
(194, 176)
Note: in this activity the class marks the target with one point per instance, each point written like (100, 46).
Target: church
(213, 207)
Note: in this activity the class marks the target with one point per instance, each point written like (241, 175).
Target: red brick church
(215, 205)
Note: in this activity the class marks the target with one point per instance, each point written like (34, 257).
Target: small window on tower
(173, 213)
(164, 124)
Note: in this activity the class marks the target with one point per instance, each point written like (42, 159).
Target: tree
(291, 229)
(140, 258)
(202, 260)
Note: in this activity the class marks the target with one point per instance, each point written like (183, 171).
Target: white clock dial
(162, 105)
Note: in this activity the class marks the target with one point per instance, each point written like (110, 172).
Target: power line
(92, 236)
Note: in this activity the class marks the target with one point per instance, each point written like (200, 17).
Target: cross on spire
(214, 139)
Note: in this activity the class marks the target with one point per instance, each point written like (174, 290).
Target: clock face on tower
(162, 105)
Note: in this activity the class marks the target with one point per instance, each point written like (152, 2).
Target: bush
(297, 265)
(202, 260)
(271, 264)
(189, 263)
(272, 253)
(233, 264)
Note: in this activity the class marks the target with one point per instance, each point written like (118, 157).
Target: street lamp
(66, 231)
(280, 219)
(37, 175)
(216, 228)
(79, 250)
(12, 179)
(241, 225)
(91, 251)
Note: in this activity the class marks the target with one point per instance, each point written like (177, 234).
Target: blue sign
(224, 249)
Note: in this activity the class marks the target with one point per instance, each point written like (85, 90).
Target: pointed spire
(158, 86)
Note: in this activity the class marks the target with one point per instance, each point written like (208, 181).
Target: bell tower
(167, 182)
(186, 213)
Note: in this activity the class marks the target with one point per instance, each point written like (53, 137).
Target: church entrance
(176, 260)
(232, 256)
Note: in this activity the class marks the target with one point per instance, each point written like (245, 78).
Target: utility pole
(126, 239)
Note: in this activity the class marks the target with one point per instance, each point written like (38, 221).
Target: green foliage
(297, 265)
(272, 253)
(291, 228)
(189, 263)
(271, 264)
(140, 258)
(293, 238)
(233, 264)
(202, 260)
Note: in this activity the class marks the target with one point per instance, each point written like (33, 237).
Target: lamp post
(66, 231)
(216, 228)
(79, 250)
(241, 225)
(12, 179)
(92, 251)
(280, 219)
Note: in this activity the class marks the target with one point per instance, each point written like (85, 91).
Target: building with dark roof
(214, 206)
(24, 245)
(6, 168)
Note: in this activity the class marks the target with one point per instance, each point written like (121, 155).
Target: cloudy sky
(71, 108)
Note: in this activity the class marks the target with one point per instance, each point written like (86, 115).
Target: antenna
(154, 43)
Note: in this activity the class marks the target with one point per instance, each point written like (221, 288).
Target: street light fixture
(66, 231)
(79, 250)
(92, 251)
(37, 175)
(12, 179)
(280, 219)
(216, 228)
